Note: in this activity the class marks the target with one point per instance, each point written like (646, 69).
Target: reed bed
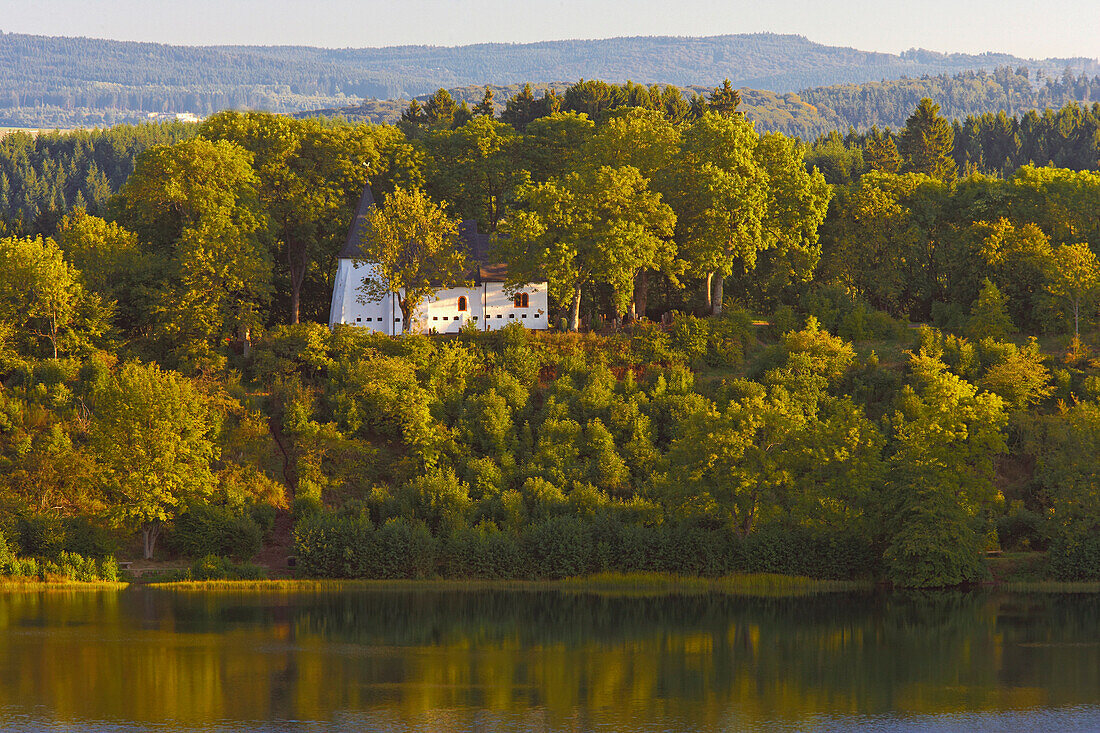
(603, 584)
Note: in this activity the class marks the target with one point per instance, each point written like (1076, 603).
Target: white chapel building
(487, 304)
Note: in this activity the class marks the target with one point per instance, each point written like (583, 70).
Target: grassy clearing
(643, 584)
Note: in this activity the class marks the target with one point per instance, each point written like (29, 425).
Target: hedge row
(338, 546)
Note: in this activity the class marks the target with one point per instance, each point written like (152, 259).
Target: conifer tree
(441, 109)
(485, 107)
(882, 152)
(927, 142)
(724, 100)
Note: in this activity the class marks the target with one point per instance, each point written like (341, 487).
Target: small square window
(499, 316)
(524, 315)
(358, 320)
(435, 318)
(511, 315)
(475, 318)
(536, 315)
(397, 320)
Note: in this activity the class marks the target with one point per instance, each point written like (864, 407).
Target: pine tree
(441, 109)
(882, 152)
(462, 115)
(927, 142)
(724, 100)
(485, 107)
(414, 114)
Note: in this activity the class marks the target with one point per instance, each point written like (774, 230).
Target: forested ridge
(751, 369)
(818, 111)
(66, 82)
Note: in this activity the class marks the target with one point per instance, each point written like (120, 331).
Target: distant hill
(70, 81)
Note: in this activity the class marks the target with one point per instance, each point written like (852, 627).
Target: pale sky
(1027, 28)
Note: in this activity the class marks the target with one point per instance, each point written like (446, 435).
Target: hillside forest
(757, 365)
(49, 82)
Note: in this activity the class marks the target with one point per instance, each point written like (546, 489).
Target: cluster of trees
(969, 93)
(819, 111)
(154, 362)
(993, 144)
(45, 176)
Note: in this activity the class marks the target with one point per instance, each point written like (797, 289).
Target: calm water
(139, 660)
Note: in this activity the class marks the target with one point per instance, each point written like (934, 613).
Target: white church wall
(489, 305)
(383, 315)
(501, 309)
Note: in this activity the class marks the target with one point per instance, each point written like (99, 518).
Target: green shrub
(208, 529)
(403, 550)
(560, 547)
(481, 552)
(305, 506)
(40, 535)
(328, 545)
(783, 320)
(6, 556)
(1074, 556)
(88, 539)
(213, 567)
(264, 517)
(1020, 529)
(689, 335)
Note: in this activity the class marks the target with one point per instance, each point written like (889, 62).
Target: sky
(1026, 28)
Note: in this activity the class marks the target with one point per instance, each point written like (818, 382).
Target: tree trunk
(295, 300)
(406, 314)
(149, 533)
(296, 259)
(716, 299)
(641, 293)
(1076, 320)
(709, 293)
(575, 310)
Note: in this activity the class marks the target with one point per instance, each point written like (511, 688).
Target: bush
(798, 551)
(783, 320)
(6, 556)
(404, 550)
(264, 517)
(1074, 556)
(215, 530)
(1020, 529)
(305, 506)
(40, 535)
(328, 545)
(88, 539)
(481, 552)
(213, 567)
(560, 547)
(689, 335)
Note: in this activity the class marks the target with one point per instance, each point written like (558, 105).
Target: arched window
(520, 300)
(462, 303)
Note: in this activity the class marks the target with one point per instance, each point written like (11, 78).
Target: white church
(487, 304)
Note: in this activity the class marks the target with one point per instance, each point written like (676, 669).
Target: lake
(397, 660)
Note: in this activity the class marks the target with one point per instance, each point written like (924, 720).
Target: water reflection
(396, 660)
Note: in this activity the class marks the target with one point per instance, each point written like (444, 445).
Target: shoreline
(637, 584)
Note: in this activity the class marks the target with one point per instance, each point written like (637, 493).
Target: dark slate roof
(351, 245)
(475, 243)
